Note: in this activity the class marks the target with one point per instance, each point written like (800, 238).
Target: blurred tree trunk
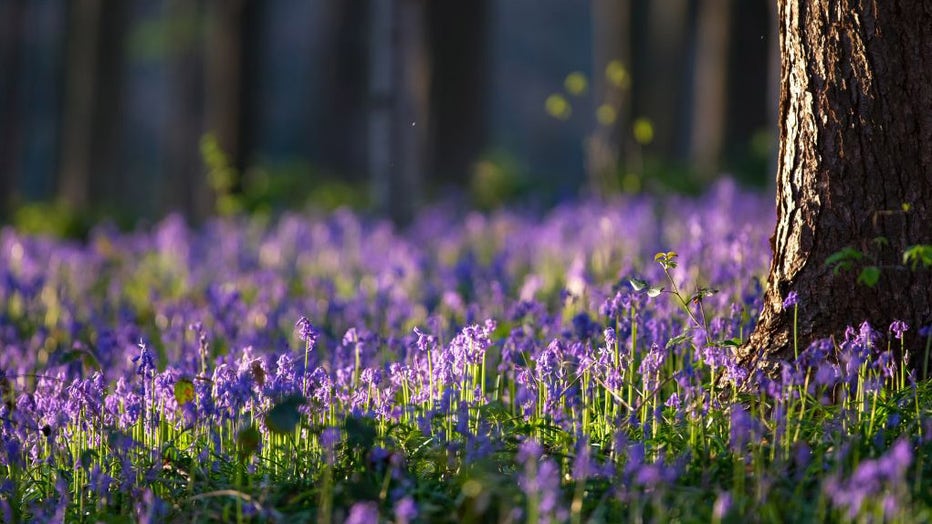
(185, 187)
(224, 78)
(346, 114)
(458, 35)
(83, 31)
(749, 139)
(106, 176)
(660, 78)
(855, 165)
(91, 109)
(611, 36)
(11, 43)
(773, 89)
(399, 87)
(710, 77)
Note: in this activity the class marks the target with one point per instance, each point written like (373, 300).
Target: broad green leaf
(360, 432)
(184, 391)
(918, 254)
(88, 457)
(869, 276)
(654, 291)
(844, 258)
(284, 416)
(637, 284)
(247, 440)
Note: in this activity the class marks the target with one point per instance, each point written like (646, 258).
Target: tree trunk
(399, 87)
(855, 166)
(224, 76)
(459, 63)
(11, 122)
(107, 178)
(92, 103)
(660, 87)
(710, 80)
(84, 18)
(611, 36)
(185, 186)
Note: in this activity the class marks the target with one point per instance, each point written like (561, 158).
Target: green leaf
(637, 284)
(247, 440)
(88, 360)
(843, 259)
(284, 416)
(677, 340)
(88, 457)
(702, 293)
(869, 276)
(654, 291)
(918, 254)
(184, 391)
(360, 432)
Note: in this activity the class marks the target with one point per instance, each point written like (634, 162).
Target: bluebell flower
(898, 327)
(146, 360)
(722, 506)
(364, 512)
(405, 510)
(872, 477)
(307, 332)
(791, 300)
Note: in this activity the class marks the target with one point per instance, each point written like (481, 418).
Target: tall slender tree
(855, 173)
(709, 91)
(185, 187)
(11, 44)
(399, 90)
(93, 88)
(611, 45)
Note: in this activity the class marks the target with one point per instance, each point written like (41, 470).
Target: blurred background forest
(130, 109)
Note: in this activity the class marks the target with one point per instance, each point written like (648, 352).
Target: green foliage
(869, 276)
(496, 180)
(284, 415)
(247, 440)
(267, 189)
(184, 391)
(843, 259)
(50, 218)
(222, 177)
(163, 37)
(917, 255)
(666, 260)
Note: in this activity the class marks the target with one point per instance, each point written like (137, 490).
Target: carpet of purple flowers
(503, 367)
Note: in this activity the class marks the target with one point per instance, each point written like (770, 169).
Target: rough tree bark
(855, 166)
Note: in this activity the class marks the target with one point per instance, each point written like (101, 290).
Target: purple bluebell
(898, 327)
(405, 510)
(364, 512)
(145, 359)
